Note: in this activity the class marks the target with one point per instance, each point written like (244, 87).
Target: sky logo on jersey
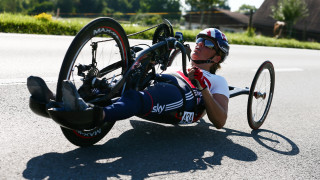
(158, 108)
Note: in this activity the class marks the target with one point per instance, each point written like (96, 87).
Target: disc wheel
(111, 61)
(161, 33)
(260, 95)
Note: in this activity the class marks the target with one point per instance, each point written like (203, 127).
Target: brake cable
(143, 30)
(132, 33)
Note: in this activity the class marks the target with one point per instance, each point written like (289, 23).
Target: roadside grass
(10, 23)
(17, 23)
(258, 40)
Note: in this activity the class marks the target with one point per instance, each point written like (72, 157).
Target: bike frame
(235, 91)
(158, 53)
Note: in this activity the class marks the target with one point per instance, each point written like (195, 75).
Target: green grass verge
(10, 23)
(242, 38)
(27, 24)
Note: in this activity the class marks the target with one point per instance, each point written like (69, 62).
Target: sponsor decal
(101, 30)
(167, 107)
(89, 134)
(158, 108)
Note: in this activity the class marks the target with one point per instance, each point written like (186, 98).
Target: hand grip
(194, 82)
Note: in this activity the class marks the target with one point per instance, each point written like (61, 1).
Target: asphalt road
(286, 147)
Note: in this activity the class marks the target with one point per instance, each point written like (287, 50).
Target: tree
(90, 6)
(289, 11)
(13, 6)
(168, 6)
(245, 9)
(46, 6)
(123, 6)
(67, 6)
(26, 6)
(203, 5)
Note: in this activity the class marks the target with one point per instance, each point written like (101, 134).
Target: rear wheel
(260, 95)
(101, 50)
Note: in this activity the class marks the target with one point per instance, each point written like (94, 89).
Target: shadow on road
(151, 150)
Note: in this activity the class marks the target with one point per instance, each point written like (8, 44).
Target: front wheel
(260, 95)
(99, 50)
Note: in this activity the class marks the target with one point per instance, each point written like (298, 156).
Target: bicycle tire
(114, 41)
(261, 95)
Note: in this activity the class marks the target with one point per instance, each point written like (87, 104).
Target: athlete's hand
(197, 78)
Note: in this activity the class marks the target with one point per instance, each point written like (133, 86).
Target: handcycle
(102, 65)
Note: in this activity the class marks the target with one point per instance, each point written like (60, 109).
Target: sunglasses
(207, 43)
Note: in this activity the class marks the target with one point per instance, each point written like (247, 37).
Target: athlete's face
(203, 50)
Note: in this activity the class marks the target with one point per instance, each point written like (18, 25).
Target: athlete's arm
(216, 107)
(216, 104)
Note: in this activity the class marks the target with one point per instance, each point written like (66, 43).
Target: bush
(43, 25)
(251, 32)
(44, 17)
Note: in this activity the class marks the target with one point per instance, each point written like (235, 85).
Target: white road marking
(285, 69)
(288, 69)
(17, 81)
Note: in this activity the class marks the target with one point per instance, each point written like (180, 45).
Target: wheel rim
(262, 95)
(110, 50)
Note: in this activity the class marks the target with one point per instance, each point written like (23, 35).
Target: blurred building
(305, 29)
(225, 20)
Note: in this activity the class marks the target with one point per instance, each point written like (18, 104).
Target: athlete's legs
(130, 104)
(155, 100)
(159, 103)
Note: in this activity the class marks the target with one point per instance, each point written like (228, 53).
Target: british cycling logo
(158, 108)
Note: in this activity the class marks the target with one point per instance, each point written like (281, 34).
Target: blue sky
(235, 4)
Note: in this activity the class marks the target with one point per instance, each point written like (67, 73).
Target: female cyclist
(172, 98)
